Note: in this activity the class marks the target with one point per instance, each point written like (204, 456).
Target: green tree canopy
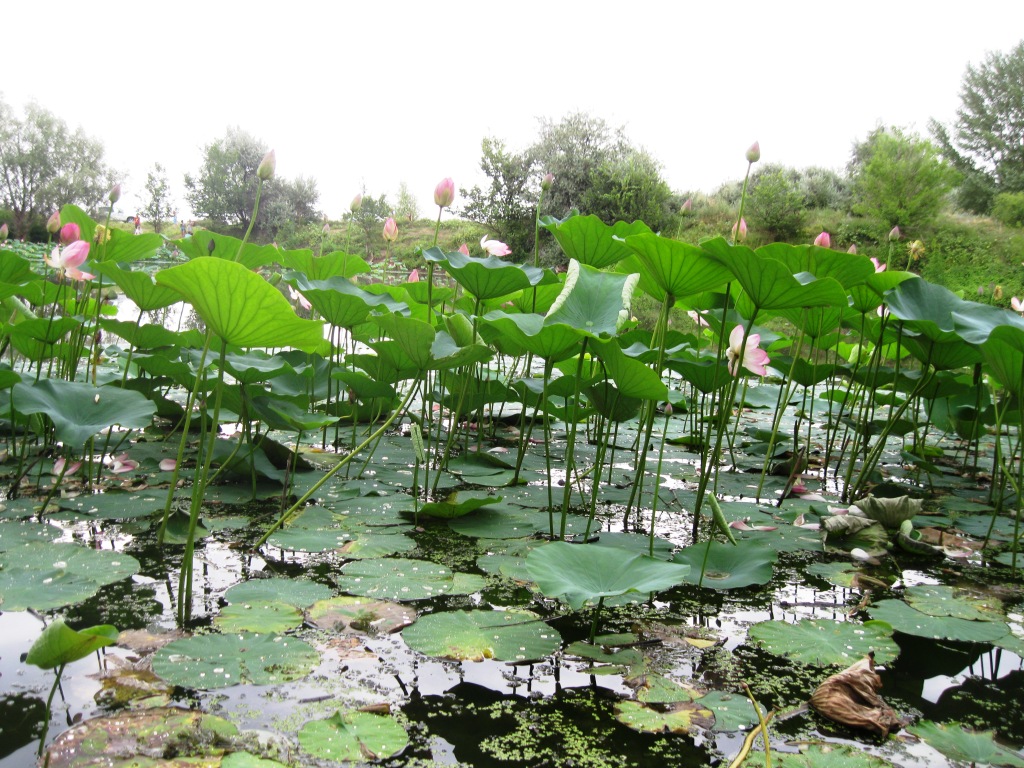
(776, 202)
(44, 165)
(224, 190)
(899, 178)
(507, 204)
(158, 205)
(986, 143)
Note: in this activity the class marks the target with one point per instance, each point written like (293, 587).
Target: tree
(224, 190)
(776, 202)
(900, 178)
(158, 207)
(507, 205)
(370, 217)
(44, 165)
(987, 140)
(406, 208)
(627, 188)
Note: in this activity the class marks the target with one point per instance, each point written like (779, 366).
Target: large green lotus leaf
(728, 566)
(928, 308)
(550, 342)
(139, 286)
(965, 746)
(341, 303)
(581, 574)
(655, 689)
(258, 616)
(359, 615)
(13, 535)
(631, 377)
(676, 268)
(226, 248)
(241, 307)
(353, 737)
(151, 336)
(256, 366)
(129, 739)
(636, 542)
(43, 329)
(849, 270)
(371, 545)
(943, 355)
(488, 277)
(15, 269)
(681, 717)
(59, 644)
(942, 600)
(333, 264)
(218, 661)
(446, 353)
(313, 530)
(733, 711)
(822, 642)
(707, 375)
(819, 756)
(910, 621)
(769, 284)
(414, 337)
(506, 523)
(44, 576)
(458, 504)
(590, 241)
(248, 760)
(815, 322)
(396, 578)
(297, 592)
(280, 414)
(592, 302)
(509, 635)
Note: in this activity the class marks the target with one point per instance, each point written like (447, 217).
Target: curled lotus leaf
(889, 512)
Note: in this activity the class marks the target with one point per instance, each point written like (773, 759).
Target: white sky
(355, 93)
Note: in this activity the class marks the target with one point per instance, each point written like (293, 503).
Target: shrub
(1009, 209)
(776, 202)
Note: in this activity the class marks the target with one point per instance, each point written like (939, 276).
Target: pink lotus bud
(852, 248)
(741, 235)
(326, 229)
(754, 152)
(53, 223)
(168, 465)
(547, 181)
(894, 233)
(686, 207)
(414, 276)
(69, 233)
(390, 230)
(444, 193)
(824, 240)
(356, 204)
(3, 231)
(115, 194)
(267, 166)
(668, 409)
(464, 249)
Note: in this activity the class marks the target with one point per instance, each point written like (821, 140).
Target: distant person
(191, 224)
(138, 225)
(174, 216)
(182, 227)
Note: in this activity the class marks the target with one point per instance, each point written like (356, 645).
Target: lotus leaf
(728, 566)
(396, 578)
(823, 643)
(213, 661)
(13, 535)
(457, 505)
(581, 574)
(910, 621)
(966, 746)
(258, 616)
(59, 644)
(592, 302)
(509, 635)
(352, 615)
(590, 241)
(354, 737)
(819, 756)
(45, 576)
(291, 591)
(733, 711)
(890, 512)
(942, 600)
(681, 717)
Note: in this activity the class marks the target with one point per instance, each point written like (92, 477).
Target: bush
(776, 203)
(1009, 209)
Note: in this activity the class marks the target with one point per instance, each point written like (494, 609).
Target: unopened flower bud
(115, 194)
(824, 240)
(894, 233)
(327, 228)
(267, 166)
(356, 204)
(547, 181)
(3, 231)
(53, 223)
(211, 246)
(852, 248)
(754, 152)
(668, 409)
(390, 230)
(686, 207)
(444, 193)
(741, 234)
(69, 233)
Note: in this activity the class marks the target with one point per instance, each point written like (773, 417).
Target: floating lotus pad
(218, 661)
(506, 523)
(59, 644)
(44, 576)
(372, 545)
(13, 535)
(682, 717)
(359, 615)
(942, 600)
(911, 621)
(510, 635)
(819, 756)
(823, 643)
(353, 737)
(457, 505)
(258, 616)
(733, 711)
(965, 746)
(396, 578)
(297, 592)
(728, 566)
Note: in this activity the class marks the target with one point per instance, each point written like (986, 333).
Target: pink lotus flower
(494, 247)
(740, 236)
(824, 240)
(69, 233)
(115, 193)
(3, 231)
(61, 468)
(1016, 304)
(698, 318)
(53, 223)
(168, 465)
(67, 260)
(749, 356)
(296, 296)
(879, 266)
(464, 249)
(444, 193)
(414, 276)
(390, 230)
(121, 463)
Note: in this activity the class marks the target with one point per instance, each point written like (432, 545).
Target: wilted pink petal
(121, 463)
(742, 525)
(879, 266)
(62, 468)
(76, 274)
(1016, 304)
(852, 248)
(798, 488)
(494, 247)
(297, 296)
(698, 318)
(168, 465)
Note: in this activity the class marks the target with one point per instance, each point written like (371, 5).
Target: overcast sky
(375, 94)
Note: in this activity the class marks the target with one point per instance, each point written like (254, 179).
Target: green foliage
(158, 208)
(629, 188)
(368, 219)
(986, 143)
(1009, 209)
(899, 178)
(507, 205)
(224, 189)
(776, 202)
(406, 208)
(44, 165)
(967, 256)
(825, 188)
